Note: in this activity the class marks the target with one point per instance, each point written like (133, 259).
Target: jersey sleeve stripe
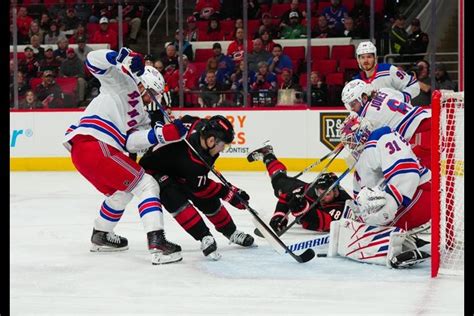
(403, 126)
(94, 69)
(393, 191)
(104, 126)
(412, 81)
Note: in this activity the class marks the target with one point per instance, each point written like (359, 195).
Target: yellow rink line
(222, 164)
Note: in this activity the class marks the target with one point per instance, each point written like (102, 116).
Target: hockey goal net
(447, 224)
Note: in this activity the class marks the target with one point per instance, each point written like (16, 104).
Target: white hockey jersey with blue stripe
(117, 110)
(387, 158)
(387, 109)
(389, 76)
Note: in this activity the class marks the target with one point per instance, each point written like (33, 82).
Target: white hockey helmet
(354, 91)
(366, 48)
(153, 80)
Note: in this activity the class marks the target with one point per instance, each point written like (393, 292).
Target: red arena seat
(324, 66)
(335, 78)
(294, 52)
(203, 54)
(342, 52)
(320, 52)
(348, 64)
(278, 9)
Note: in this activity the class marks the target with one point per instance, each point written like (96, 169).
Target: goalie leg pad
(365, 243)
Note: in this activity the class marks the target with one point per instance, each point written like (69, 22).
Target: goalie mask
(354, 134)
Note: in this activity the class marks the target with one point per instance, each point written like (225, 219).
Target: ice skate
(209, 248)
(259, 153)
(162, 251)
(241, 238)
(107, 242)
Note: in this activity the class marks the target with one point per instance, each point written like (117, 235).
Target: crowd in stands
(212, 77)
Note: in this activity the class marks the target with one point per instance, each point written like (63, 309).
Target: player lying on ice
(392, 196)
(291, 198)
(113, 124)
(186, 187)
(386, 107)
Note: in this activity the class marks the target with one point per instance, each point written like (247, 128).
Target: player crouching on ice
(292, 198)
(383, 216)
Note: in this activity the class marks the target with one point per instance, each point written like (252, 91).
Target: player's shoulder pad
(382, 67)
(379, 132)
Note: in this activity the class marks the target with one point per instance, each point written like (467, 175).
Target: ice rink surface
(52, 271)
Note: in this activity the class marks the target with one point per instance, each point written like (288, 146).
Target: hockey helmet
(325, 181)
(153, 80)
(353, 91)
(219, 127)
(355, 132)
(366, 48)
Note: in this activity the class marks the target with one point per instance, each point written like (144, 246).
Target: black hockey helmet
(325, 181)
(219, 127)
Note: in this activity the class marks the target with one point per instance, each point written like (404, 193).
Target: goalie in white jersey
(384, 75)
(114, 123)
(385, 107)
(384, 159)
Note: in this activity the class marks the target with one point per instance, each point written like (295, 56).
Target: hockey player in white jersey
(384, 75)
(114, 123)
(392, 194)
(385, 107)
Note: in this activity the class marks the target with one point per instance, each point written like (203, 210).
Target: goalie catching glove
(232, 197)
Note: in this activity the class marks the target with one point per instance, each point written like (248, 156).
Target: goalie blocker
(382, 245)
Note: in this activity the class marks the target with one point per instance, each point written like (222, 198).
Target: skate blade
(215, 256)
(97, 248)
(159, 258)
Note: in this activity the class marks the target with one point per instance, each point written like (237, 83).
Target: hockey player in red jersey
(185, 186)
(291, 197)
(113, 124)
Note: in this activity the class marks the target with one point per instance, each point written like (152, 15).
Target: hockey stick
(272, 238)
(337, 150)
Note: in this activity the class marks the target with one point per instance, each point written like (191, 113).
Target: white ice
(52, 271)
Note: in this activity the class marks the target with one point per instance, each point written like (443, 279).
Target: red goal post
(447, 154)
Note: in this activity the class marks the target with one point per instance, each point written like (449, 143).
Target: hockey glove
(297, 203)
(136, 66)
(122, 54)
(182, 130)
(278, 222)
(232, 197)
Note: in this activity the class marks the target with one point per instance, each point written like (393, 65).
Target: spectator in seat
(60, 52)
(149, 60)
(222, 78)
(73, 67)
(23, 86)
(319, 90)
(360, 14)
(263, 78)
(322, 30)
(30, 102)
(58, 10)
(191, 31)
(278, 61)
(289, 91)
(29, 65)
(35, 9)
(187, 46)
(293, 29)
(287, 80)
(158, 64)
(105, 34)
(214, 32)
(225, 64)
(83, 10)
(79, 32)
(44, 23)
(189, 81)
(417, 42)
(267, 25)
(443, 81)
(398, 35)
(423, 76)
(205, 9)
(257, 55)
(38, 51)
(54, 34)
(35, 30)
(82, 48)
(335, 15)
(237, 83)
(294, 7)
(235, 50)
(49, 62)
(350, 30)
(70, 21)
(49, 92)
(101, 9)
(170, 60)
(132, 14)
(23, 22)
(210, 96)
(267, 41)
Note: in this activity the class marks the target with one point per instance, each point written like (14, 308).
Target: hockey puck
(319, 255)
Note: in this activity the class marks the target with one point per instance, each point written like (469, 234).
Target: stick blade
(306, 256)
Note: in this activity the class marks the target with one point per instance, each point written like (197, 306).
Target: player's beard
(366, 65)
